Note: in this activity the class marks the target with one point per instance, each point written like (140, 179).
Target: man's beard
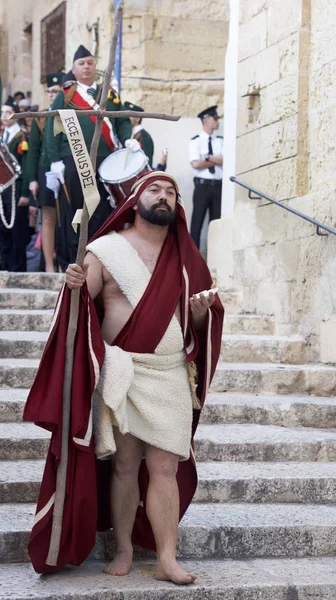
(157, 217)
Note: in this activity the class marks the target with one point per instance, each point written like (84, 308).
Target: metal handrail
(258, 195)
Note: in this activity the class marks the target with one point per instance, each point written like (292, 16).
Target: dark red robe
(180, 272)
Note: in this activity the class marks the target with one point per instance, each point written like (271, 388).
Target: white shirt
(199, 147)
(85, 87)
(12, 130)
(137, 128)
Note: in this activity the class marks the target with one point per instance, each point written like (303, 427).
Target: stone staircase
(263, 523)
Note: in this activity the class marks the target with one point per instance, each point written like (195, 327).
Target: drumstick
(58, 212)
(66, 193)
(128, 150)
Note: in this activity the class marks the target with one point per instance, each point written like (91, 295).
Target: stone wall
(173, 51)
(286, 148)
(15, 45)
(182, 48)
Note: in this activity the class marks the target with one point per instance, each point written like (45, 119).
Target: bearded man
(157, 330)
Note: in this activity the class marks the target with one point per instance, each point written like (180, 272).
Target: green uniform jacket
(147, 145)
(58, 147)
(37, 151)
(21, 157)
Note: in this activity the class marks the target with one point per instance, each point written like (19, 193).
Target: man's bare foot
(171, 571)
(120, 565)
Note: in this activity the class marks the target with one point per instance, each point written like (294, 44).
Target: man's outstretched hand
(200, 303)
(75, 275)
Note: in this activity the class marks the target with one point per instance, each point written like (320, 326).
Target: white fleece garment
(147, 395)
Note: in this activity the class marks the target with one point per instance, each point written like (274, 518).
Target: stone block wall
(173, 54)
(173, 51)
(15, 46)
(286, 135)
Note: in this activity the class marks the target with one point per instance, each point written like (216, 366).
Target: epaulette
(113, 95)
(68, 84)
(68, 89)
(195, 136)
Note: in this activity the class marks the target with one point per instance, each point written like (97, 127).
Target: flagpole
(117, 63)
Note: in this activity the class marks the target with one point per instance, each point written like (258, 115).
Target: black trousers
(67, 248)
(13, 241)
(205, 198)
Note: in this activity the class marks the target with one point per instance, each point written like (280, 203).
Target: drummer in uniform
(144, 138)
(84, 94)
(37, 166)
(13, 240)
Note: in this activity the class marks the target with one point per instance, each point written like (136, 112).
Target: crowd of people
(37, 209)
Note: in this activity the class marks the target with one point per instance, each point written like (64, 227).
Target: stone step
(209, 531)
(217, 482)
(255, 579)
(25, 320)
(249, 530)
(22, 344)
(251, 378)
(249, 324)
(12, 401)
(268, 409)
(39, 320)
(263, 409)
(263, 349)
(18, 372)
(20, 480)
(212, 442)
(15, 298)
(235, 348)
(266, 482)
(42, 281)
(23, 440)
(233, 302)
(264, 443)
(256, 378)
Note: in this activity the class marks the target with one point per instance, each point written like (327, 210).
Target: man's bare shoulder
(95, 264)
(133, 236)
(129, 233)
(92, 260)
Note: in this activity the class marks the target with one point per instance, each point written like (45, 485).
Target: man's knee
(125, 467)
(160, 463)
(127, 459)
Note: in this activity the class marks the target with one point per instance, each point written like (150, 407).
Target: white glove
(58, 168)
(133, 144)
(53, 182)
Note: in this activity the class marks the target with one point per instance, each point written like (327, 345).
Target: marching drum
(9, 167)
(117, 177)
(9, 172)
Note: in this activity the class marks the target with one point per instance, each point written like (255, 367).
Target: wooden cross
(75, 294)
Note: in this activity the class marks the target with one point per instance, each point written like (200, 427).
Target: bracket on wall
(253, 197)
(318, 231)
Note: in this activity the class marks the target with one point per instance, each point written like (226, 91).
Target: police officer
(144, 138)
(83, 94)
(206, 158)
